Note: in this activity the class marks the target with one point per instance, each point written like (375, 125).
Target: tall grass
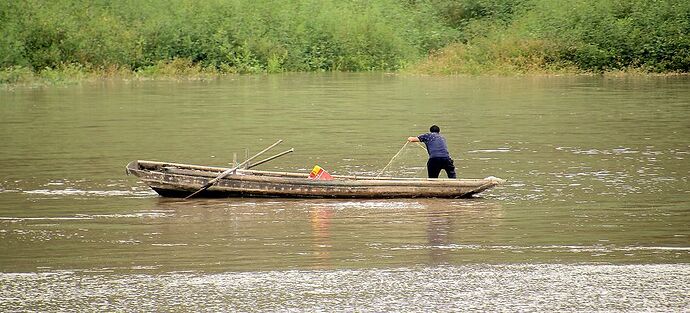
(543, 36)
(615, 34)
(236, 36)
(88, 38)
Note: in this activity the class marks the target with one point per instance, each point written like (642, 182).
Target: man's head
(435, 129)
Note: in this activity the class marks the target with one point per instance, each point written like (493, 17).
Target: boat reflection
(324, 233)
(458, 224)
(320, 219)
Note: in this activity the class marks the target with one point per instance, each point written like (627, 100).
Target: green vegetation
(543, 36)
(77, 39)
(215, 36)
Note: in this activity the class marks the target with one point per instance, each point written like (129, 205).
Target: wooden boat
(180, 180)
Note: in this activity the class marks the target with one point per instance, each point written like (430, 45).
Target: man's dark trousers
(435, 165)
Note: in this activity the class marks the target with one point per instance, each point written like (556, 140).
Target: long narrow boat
(180, 180)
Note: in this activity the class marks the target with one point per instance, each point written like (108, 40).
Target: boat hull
(180, 180)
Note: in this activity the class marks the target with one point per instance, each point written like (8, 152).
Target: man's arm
(413, 139)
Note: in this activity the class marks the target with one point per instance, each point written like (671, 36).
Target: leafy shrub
(254, 36)
(501, 36)
(243, 36)
(599, 35)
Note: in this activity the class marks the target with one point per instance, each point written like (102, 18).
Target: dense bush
(229, 35)
(250, 36)
(468, 14)
(616, 34)
(581, 35)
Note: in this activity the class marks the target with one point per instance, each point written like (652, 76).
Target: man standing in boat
(439, 158)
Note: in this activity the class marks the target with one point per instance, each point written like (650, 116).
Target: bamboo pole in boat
(271, 158)
(223, 174)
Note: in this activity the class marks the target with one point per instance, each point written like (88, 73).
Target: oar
(226, 173)
(271, 158)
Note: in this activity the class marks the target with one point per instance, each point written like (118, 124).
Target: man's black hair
(435, 129)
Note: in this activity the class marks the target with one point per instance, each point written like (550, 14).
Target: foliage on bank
(544, 36)
(229, 36)
(54, 40)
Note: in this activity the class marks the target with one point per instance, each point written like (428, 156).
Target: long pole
(270, 158)
(226, 173)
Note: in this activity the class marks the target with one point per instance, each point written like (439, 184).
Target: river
(595, 214)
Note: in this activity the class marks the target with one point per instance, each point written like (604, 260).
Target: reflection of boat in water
(324, 233)
(180, 180)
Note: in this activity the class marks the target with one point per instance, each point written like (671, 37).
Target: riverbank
(75, 73)
(527, 58)
(180, 70)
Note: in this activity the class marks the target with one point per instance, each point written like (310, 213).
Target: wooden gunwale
(212, 169)
(301, 179)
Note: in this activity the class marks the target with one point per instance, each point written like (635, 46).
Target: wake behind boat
(181, 180)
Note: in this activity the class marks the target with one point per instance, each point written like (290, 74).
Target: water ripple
(474, 288)
(68, 192)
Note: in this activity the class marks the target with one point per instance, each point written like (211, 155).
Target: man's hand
(412, 139)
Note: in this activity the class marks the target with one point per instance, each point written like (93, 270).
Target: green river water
(595, 214)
